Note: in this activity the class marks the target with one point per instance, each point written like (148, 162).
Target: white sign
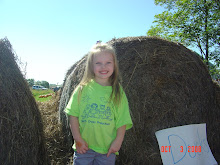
(185, 145)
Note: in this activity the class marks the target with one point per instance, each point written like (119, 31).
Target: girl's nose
(103, 66)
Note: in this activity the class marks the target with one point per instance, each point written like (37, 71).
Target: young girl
(98, 110)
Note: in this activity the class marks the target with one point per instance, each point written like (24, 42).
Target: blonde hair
(89, 73)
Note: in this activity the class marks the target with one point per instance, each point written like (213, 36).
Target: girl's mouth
(104, 72)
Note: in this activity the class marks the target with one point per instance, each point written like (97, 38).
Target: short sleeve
(123, 116)
(72, 107)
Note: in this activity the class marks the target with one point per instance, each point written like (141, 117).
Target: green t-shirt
(98, 118)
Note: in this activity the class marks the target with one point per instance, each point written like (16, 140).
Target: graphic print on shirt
(86, 99)
(93, 110)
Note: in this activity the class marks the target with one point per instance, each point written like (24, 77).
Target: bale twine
(167, 85)
(21, 133)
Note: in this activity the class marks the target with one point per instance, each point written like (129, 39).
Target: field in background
(37, 93)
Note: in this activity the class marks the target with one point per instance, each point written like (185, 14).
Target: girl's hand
(116, 144)
(81, 146)
(115, 147)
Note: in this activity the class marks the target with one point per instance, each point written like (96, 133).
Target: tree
(45, 84)
(30, 82)
(38, 82)
(191, 22)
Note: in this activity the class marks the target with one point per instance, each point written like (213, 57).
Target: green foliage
(45, 84)
(30, 82)
(191, 22)
(37, 93)
(214, 72)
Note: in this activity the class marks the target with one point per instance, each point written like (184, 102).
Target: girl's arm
(81, 145)
(116, 144)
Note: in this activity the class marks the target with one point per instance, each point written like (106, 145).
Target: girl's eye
(98, 63)
(108, 62)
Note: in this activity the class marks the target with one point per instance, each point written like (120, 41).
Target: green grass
(37, 93)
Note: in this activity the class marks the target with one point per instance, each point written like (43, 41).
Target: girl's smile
(103, 67)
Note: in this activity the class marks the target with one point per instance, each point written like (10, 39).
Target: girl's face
(103, 67)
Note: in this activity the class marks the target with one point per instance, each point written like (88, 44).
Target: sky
(51, 35)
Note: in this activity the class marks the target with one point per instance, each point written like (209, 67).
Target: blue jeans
(93, 158)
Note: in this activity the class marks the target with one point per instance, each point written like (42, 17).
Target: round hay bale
(21, 129)
(167, 85)
(217, 92)
(72, 79)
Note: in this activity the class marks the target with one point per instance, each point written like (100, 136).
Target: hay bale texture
(21, 129)
(167, 85)
(56, 145)
(72, 79)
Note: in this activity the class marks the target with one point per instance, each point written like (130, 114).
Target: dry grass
(21, 129)
(167, 85)
(58, 150)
